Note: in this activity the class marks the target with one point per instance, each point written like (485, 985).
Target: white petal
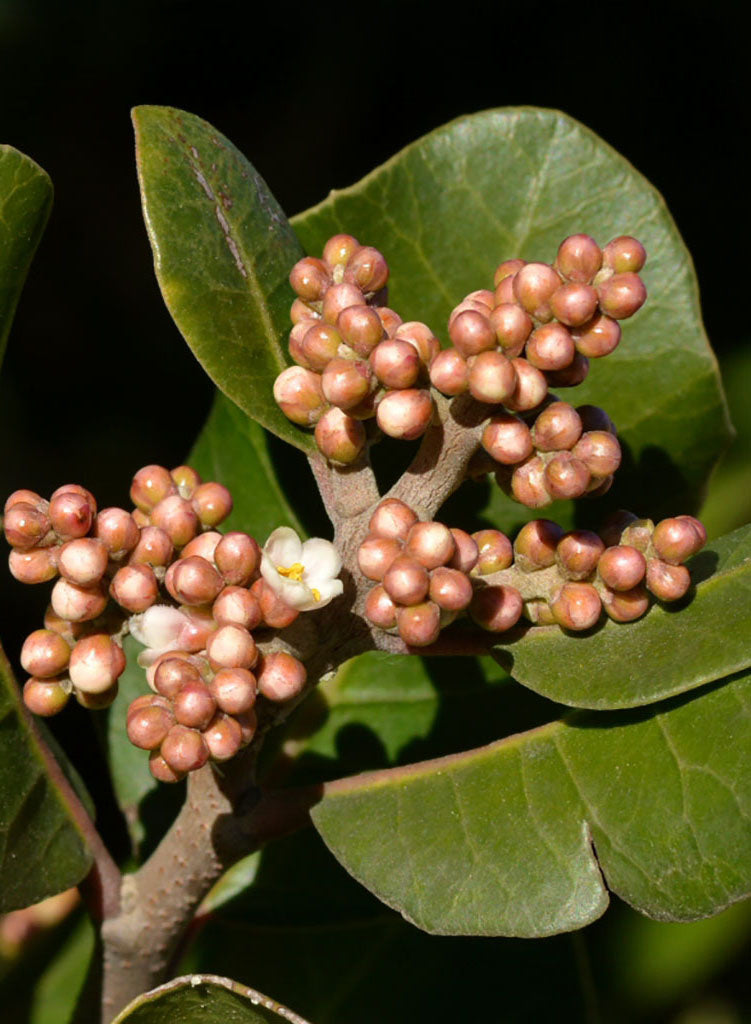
(284, 547)
(328, 590)
(158, 627)
(321, 560)
(297, 595)
(269, 573)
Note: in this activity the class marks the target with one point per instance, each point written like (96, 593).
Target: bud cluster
(356, 359)
(565, 453)
(542, 323)
(422, 571)
(163, 573)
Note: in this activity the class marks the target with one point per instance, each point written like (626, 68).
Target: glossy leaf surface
(42, 848)
(223, 251)
(449, 208)
(206, 998)
(522, 837)
(669, 651)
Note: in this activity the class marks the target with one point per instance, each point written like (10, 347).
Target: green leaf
(669, 651)
(515, 182)
(42, 847)
(223, 251)
(523, 836)
(208, 999)
(233, 449)
(25, 203)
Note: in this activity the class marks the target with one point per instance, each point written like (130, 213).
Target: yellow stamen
(316, 593)
(292, 572)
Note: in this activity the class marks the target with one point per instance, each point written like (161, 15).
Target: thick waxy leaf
(205, 999)
(522, 837)
(233, 449)
(42, 847)
(447, 209)
(25, 202)
(223, 251)
(669, 651)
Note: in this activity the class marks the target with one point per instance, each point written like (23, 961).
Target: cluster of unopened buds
(357, 361)
(428, 574)
(191, 595)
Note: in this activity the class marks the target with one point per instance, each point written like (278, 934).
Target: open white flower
(303, 575)
(160, 628)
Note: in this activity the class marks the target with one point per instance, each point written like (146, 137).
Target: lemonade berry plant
(200, 617)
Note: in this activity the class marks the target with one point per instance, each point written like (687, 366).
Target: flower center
(293, 572)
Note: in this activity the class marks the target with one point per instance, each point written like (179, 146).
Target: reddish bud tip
(45, 697)
(536, 543)
(310, 278)
(579, 258)
(494, 551)
(431, 544)
(380, 609)
(622, 295)
(534, 285)
(393, 518)
(177, 518)
(150, 485)
(237, 557)
(224, 737)
(234, 690)
(45, 654)
(38, 565)
(578, 553)
(231, 647)
(576, 606)
(677, 539)
(299, 395)
(281, 676)
(340, 437)
(621, 567)
(624, 255)
(184, 749)
(597, 338)
(83, 561)
(376, 554)
(420, 624)
(466, 551)
(405, 415)
(449, 372)
(496, 608)
(212, 503)
(667, 582)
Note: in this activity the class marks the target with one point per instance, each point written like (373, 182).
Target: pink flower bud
(570, 376)
(494, 551)
(161, 771)
(26, 526)
(528, 483)
(536, 543)
(405, 414)
(37, 565)
(406, 581)
(203, 546)
(512, 327)
(177, 518)
(622, 295)
(77, 604)
(492, 378)
(391, 321)
(96, 662)
(367, 269)
(28, 498)
(231, 647)
(599, 451)
(236, 606)
(83, 561)
(45, 654)
(566, 477)
(431, 544)
(376, 554)
(466, 551)
(625, 605)
(194, 705)
(223, 736)
(184, 749)
(193, 581)
(81, 491)
(504, 292)
(574, 304)
(449, 372)
(147, 726)
(234, 690)
(45, 697)
(338, 297)
(507, 269)
(557, 428)
(281, 676)
(150, 486)
(154, 548)
(393, 518)
(578, 553)
(310, 278)
(380, 609)
(624, 255)
(507, 439)
(340, 437)
(531, 387)
(677, 539)
(339, 249)
(534, 285)
(598, 337)
(212, 503)
(667, 582)
(198, 628)
(361, 328)
(299, 395)
(550, 347)
(346, 382)
(70, 515)
(172, 673)
(320, 345)
(450, 589)
(186, 479)
(69, 631)
(471, 332)
(579, 258)
(395, 363)
(237, 557)
(276, 614)
(621, 567)
(496, 608)
(420, 624)
(576, 606)
(117, 530)
(420, 336)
